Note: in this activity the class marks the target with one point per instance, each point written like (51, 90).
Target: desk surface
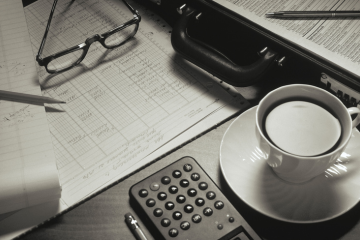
(102, 217)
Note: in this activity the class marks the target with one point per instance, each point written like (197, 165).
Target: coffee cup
(298, 168)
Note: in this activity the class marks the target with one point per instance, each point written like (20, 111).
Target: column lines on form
(173, 124)
(179, 65)
(90, 102)
(116, 95)
(75, 159)
(141, 60)
(128, 74)
(163, 78)
(75, 122)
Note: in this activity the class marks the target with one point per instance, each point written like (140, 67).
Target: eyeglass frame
(86, 45)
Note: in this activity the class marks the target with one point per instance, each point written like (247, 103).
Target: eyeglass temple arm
(135, 12)
(38, 58)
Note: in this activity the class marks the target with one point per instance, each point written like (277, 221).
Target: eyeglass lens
(120, 36)
(65, 61)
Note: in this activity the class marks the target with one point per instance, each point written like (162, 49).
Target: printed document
(337, 40)
(28, 173)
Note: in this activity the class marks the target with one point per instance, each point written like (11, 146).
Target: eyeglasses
(67, 59)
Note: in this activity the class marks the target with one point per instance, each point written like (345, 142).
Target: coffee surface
(302, 128)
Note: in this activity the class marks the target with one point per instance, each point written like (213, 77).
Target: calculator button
(173, 189)
(162, 196)
(218, 204)
(165, 180)
(176, 174)
(188, 208)
(199, 202)
(196, 218)
(158, 212)
(177, 215)
(203, 186)
(154, 186)
(181, 199)
(191, 192)
(210, 195)
(165, 222)
(150, 202)
(187, 167)
(184, 183)
(185, 225)
(143, 193)
(208, 211)
(169, 205)
(231, 219)
(173, 232)
(195, 176)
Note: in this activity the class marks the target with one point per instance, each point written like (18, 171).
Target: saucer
(249, 176)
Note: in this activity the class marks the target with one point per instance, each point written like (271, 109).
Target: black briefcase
(238, 51)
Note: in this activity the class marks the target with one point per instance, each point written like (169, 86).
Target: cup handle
(354, 110)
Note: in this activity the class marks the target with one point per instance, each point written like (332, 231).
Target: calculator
(182, 202)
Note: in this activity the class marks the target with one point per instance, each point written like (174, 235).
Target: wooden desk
(102, 217)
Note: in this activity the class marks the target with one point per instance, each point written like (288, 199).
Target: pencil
(313, 14)
(27, 97)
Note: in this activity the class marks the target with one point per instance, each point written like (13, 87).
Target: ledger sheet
(337, 40)
(122, 104)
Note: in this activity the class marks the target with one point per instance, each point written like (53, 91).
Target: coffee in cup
(297, 168)
(302, 128)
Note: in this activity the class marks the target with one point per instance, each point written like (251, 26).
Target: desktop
(102, 216)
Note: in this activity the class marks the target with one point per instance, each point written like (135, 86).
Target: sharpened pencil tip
(270, 14)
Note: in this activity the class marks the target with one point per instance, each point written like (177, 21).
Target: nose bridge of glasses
(92, 39)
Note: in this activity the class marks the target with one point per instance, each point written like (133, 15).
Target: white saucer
(327, 196)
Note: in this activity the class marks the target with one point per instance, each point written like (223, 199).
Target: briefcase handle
(213, 61)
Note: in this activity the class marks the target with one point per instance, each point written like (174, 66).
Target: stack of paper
(28, 173)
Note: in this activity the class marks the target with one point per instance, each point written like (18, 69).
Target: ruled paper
(28, 173)
(122, 104)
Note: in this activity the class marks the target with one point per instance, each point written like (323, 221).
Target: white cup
(294, 168)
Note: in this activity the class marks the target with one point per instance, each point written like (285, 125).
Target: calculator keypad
(181, 199)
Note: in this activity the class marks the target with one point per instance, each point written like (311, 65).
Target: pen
(23, 97)
(134, 226)
(312, 14)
